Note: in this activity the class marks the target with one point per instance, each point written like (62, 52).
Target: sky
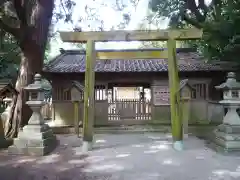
(110, 17)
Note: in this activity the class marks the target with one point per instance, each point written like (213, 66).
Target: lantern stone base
(34, 140)
(226, 139)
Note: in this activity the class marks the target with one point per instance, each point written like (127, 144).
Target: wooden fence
(126, 109)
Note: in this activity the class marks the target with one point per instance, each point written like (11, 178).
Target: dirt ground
(147, 156)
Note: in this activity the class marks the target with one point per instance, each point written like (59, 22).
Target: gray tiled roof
(74, 61)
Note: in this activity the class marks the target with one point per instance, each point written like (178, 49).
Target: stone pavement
(147, 156)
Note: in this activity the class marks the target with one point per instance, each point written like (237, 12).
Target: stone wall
(161, 114)
(215, 112)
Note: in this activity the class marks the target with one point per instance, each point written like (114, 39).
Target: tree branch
(192, 21)
(2, 2)
(202, 5)
(21, 12)
(14, 31)
(217, 6)
(191, 5)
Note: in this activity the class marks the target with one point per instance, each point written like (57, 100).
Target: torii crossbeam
(171, 36)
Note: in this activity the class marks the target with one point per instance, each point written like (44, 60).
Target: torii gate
(171, 36)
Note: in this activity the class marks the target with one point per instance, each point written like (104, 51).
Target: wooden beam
(128, 55)
(138, 35)
(174, 93)
(88, 118)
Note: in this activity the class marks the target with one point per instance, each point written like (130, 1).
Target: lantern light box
(76, 91)
(231, 88)
(36, 89)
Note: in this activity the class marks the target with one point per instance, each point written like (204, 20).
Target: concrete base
(185, 136)
(178, 145)
(223, 150)
(86, 146)
(36, 140)
(226, 139)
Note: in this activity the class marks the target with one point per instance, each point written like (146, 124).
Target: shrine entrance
(171, 36)
(129, 103)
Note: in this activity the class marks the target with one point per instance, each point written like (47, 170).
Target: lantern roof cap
(36, 85)
(184, 83)
(230, 84)
(78, 85)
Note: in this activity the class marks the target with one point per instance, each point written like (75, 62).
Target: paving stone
(147, 156)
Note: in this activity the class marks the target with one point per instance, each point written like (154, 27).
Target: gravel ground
(147, 156)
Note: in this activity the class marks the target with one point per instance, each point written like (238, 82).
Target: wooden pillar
(207, 91)
(76, 117)
(174, 95)
(185, 109)
(53, 112)
(106, 91)
(88, 117)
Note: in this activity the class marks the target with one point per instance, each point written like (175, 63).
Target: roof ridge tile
(74, 61)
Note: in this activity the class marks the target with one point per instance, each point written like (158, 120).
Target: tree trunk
(31, 63)
(33, 47)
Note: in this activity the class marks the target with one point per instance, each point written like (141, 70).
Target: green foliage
(9, 56)
(220, 20)
(47, 51)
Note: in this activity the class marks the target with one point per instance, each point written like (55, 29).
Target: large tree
(219, 19)
(27, 21)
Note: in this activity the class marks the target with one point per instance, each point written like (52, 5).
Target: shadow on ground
(63, 164)
(119, 157)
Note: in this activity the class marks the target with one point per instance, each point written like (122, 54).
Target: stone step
(66, 130)
(200, 131)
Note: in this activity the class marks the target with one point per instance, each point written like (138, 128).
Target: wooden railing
(47, 111)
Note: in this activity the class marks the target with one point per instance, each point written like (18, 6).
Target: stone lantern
(185, 90)
(77, 90)
(231, 99)
(36, 138)
(36, 100)
(226, 136)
